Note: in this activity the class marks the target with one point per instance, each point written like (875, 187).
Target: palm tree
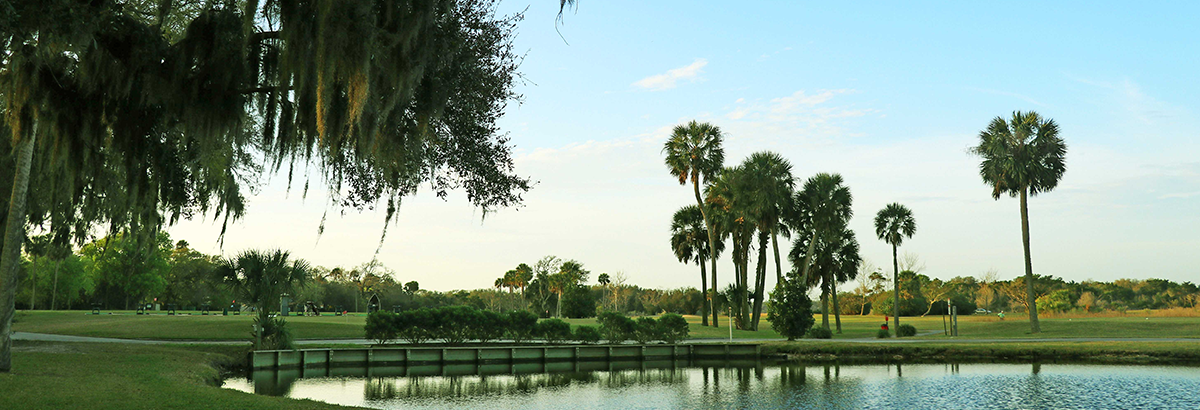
(730, 202)
(768, 185)
(1021, 157)
(570, 273)
(893, 223)
(823, 206)
(694, 152)
(689, 242)
(835, 260)
(260, 278)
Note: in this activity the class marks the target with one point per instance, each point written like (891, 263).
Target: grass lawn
(112, 376)
(127, 325)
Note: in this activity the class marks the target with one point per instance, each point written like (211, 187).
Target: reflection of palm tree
(689, 241)
(768, 186)
(694, 152)
(823, 206)
(893, 223)
(1022, 157)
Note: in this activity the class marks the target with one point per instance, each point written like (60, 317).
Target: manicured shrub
(791, 310)
(646, 330)
(672, 328)
(521, 324)
(615, 327)
(883, 334)
(554, 330)
(906, 330)
(457, 323)
(381, 327)
(587, 334)
(489, 325)
(417, 326)
(818, 333)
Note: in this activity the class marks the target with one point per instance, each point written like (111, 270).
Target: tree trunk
(1034, 327)
(896, 288)
(825, 305)
(54, 291)
(712, 243)
(704, 292)
(33, 282)
(760, 278)
(837, 311)
(808, 257)
(14, 235)
(778, 267)
(558, 309)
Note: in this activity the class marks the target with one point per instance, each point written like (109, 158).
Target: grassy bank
(951, 352)
(110, 376)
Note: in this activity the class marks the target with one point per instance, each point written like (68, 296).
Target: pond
(712, 385)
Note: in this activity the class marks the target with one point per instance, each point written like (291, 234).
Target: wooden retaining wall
(384, 356)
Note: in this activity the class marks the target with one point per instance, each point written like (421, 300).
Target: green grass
(112, 376)
(1057, 351)
(127, 325)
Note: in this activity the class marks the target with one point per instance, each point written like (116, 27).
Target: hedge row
(458, 324)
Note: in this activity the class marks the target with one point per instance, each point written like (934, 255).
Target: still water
(749, 385)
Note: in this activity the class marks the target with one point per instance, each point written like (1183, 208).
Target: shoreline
(1065, 352)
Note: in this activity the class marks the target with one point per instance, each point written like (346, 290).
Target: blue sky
(888, 95)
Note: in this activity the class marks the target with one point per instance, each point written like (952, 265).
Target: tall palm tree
(768, 184)
(694, 152)
(260, 278)
(1021, 157)
(689, 242)
(893, 223)
(730, 209)
(835, 260)
(824, 206)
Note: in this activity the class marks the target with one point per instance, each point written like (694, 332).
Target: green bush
(587, 334)
(646, 330)
(554, 330)
(906, 330)
(381, 327)
(416, 326)
(672, 328)
(457, 324)
(578, 302)
(818, 333)
(791, 309)
(490, 325)
(521, 324)
(883, 334)
(616, 328)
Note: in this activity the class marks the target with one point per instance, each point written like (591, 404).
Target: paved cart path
(45, 337)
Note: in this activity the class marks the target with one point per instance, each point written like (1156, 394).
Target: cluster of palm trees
(757, 199)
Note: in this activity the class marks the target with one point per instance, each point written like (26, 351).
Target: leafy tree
(260, 278)
(1022, 156)
(672, 328)
(1056, 302)
(694, 153)
(689, 242)
(578, 302)
(412, 286)
(893, 223)
(126, 269)
(791, 309)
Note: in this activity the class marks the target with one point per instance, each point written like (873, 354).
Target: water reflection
(718, 384)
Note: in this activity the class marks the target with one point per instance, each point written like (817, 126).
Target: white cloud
(798, 116)
(659, 82)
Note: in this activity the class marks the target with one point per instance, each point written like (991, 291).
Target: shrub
(489, 325)
(587, 334)
(906, 330)
(616, 328)
(883, 334)
(672, 328)
(456, 324)
(521, 324)
(381, 327)
(416, 326)
(818, 333)
(791, 309)
(645, 330)
(554, 330)
(578, 302)
(275, 334)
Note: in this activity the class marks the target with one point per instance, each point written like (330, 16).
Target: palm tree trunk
(712, 243)
(54, 292)
(760, 278)
(703, 292)
(33, 283)
(14, 233)
(825, 304)
(808, 257)
(558, 309)
(778, 268)
(1033, 316)
(896, 288)
(837, 311)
